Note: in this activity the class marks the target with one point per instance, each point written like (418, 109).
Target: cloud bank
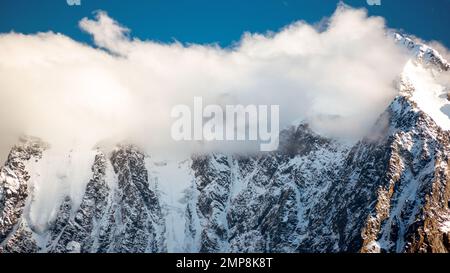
(338, 76)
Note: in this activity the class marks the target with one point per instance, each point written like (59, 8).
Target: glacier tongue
(56, 175)
(172, 179)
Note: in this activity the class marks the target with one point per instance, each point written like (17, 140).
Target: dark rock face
(384, 183)
(417, 171)
(141, 223)
(214, 184)
(262, 203)
(122, 215)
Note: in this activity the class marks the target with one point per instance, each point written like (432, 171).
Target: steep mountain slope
(117, 213)
(388, 192)
(263, 203)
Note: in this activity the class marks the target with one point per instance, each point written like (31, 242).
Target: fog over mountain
(124, 88)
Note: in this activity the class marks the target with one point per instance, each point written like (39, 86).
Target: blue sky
(213, 21)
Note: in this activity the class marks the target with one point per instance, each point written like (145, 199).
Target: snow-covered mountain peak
(422, 53)
(425, 80)
(420, 84)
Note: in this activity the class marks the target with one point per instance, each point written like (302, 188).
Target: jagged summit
(421, 52)
(419, 80)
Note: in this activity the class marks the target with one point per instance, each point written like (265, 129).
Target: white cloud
(64, 91)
